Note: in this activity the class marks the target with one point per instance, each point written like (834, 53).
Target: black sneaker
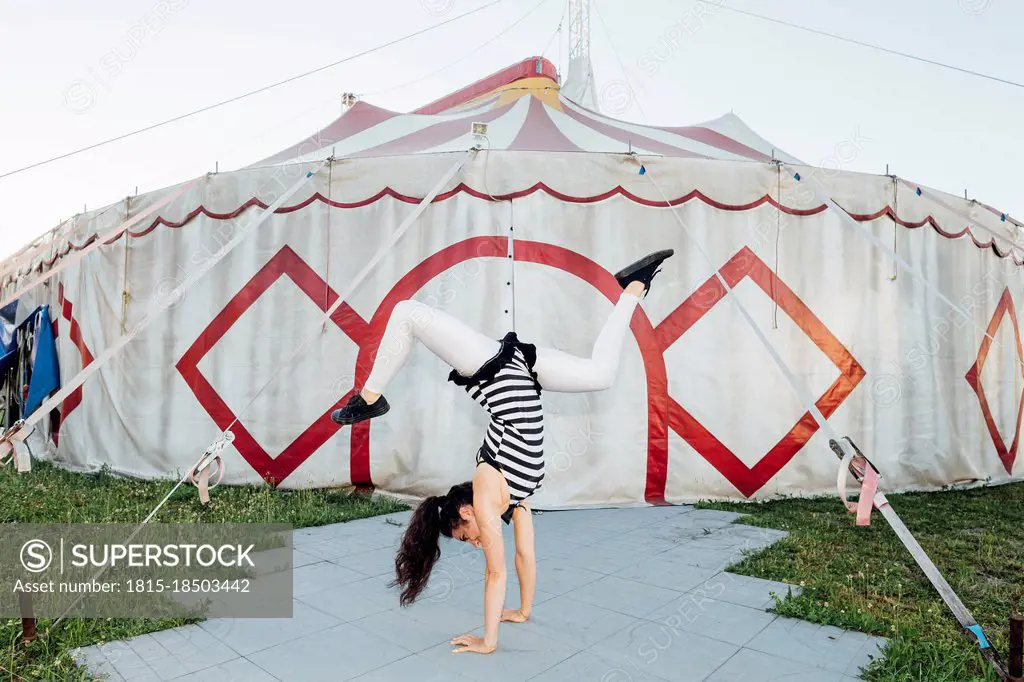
(643, 270)
(357, 410)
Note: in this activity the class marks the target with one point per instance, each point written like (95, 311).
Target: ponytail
(420, 549)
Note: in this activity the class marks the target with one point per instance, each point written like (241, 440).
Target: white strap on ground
(887, 250)
(66, 263)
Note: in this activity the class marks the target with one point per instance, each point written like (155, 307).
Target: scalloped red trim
(541, 187)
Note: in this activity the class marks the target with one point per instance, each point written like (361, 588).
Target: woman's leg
(564, 373)
(461, 347)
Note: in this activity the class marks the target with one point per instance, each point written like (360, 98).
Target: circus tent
(550, 197)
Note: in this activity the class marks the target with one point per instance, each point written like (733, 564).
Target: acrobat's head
(450, 515)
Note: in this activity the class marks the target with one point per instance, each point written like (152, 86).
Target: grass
(863, 578)
(52, 495)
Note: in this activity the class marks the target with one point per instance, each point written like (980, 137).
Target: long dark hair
(437, 515)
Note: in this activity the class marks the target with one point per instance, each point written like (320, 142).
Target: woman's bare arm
(487, 506)
(526, 559)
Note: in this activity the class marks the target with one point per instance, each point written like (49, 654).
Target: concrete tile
(587, 666)
(871, 650)
(341, 653)
(819, 646)
(666, 574)
(346, 602)
(576, 623)
(329, 549)
(746, 591)
(520, 656)
(558, 578)
(658, 651)
(320, 576)
(624, 596)
(92, 659)
(376, 590)
(719, 620)
(248, 635)
(124, 660)
(756, 666)
(176, 652)
(713, 516)
(300, 558)
(690, 554)
(374, 562)
(471, 597)
(238, 670)
(449, 617)
(414, 634)
(317, 534)
(601, 559)
(415, 668)
(555, 546)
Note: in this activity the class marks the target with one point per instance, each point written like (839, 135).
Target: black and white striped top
(514, 444)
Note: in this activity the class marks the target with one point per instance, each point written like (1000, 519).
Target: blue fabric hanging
(45, 369)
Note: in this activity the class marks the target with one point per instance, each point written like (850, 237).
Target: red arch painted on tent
(543, 254)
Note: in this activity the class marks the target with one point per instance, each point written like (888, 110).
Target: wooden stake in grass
(1016, 657)
(28, 622)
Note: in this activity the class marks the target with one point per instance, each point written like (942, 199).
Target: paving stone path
(624, 595)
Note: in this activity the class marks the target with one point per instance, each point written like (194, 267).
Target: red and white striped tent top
(525, 110)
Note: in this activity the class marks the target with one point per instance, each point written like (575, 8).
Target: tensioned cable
(887, 50)
(622, 66)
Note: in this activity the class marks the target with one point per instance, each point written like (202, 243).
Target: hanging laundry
(45, 376)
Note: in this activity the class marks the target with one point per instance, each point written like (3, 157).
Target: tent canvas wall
(699, 410)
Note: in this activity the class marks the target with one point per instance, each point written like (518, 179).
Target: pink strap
(867, 496)
(858, 466)
(201, 475)
(12, 444)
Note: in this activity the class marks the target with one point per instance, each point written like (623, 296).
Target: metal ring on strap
(9, 441)
(201, 475)
(853, 461)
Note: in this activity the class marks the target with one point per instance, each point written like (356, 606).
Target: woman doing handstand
(505, 377)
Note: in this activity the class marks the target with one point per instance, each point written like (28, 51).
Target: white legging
(466, 350)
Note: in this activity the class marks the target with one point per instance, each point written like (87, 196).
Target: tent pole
(895, 220)
(512, 260)
(124, 285)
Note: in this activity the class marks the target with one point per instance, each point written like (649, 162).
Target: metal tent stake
(28, 622)
(1015, 664)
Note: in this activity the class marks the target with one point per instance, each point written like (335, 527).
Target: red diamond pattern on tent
(74, 398)
(1007, 455)
(285, 263)
(748, 480)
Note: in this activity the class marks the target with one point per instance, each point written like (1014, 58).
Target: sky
(74, 74)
